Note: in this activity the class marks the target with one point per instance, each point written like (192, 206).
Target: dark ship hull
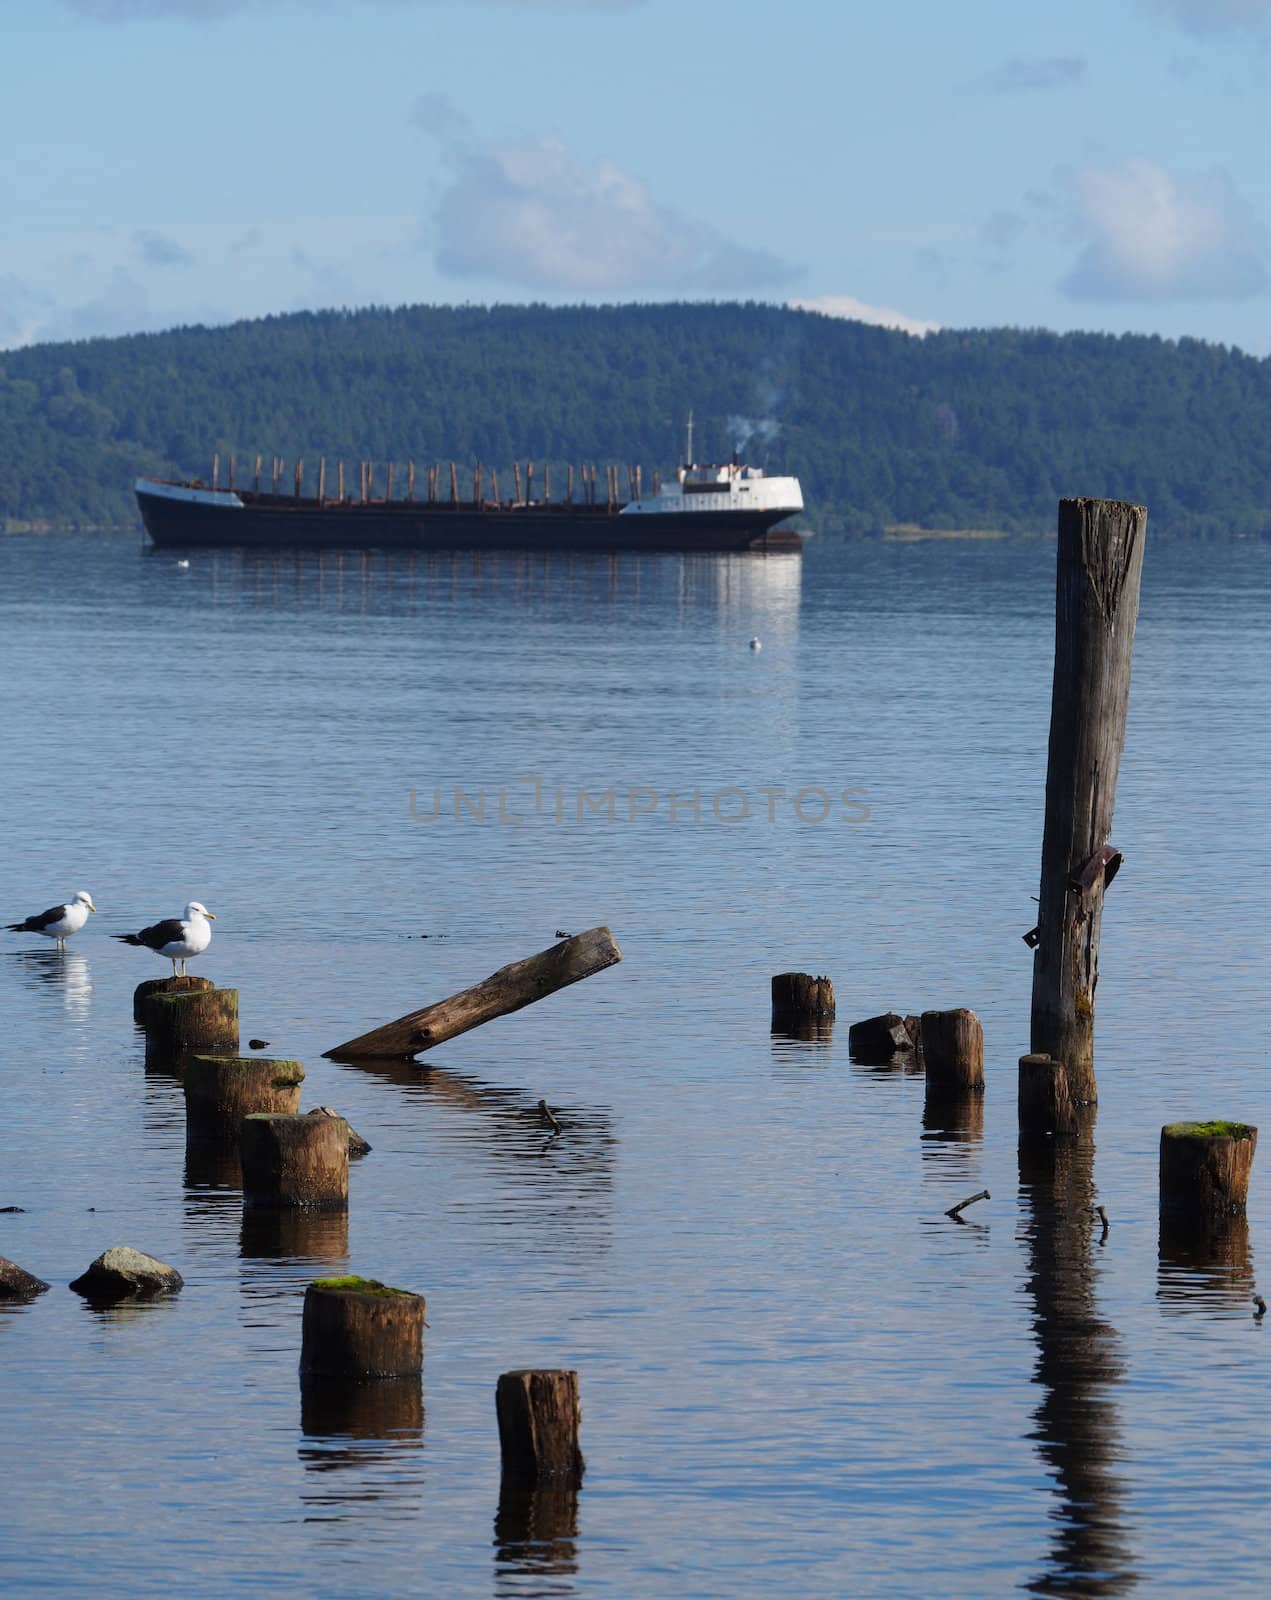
(182, 517)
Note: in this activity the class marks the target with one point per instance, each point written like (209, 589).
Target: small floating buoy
(183, 562)
(756, 644)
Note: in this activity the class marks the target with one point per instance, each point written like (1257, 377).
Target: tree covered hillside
(960, 429)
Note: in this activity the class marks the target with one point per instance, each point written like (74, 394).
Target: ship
(728, 507)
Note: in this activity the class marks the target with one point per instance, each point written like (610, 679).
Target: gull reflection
(1078, 1365)
(64, 970)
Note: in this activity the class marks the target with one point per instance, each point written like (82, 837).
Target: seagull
(178, 938)
(756, 643)
(58, 922)
(183, 562)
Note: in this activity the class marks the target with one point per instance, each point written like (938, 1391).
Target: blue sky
(1098, 164)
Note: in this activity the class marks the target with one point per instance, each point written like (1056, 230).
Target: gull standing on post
(58, 922)
(178, 938)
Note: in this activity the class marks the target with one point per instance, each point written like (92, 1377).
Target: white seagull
(58, 922)
(178, 938)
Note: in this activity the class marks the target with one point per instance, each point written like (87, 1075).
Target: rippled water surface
(798, 1375)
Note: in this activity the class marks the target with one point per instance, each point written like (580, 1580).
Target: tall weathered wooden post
(1099, 564)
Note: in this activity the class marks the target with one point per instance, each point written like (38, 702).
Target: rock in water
(15, 1284)
(121, 1272)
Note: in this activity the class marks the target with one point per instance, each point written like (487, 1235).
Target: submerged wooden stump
(1045, 1103)
(294, 1161)
(798, 997)
(197, 1019)
(1205, 1167)
(953, 1050)
(360, 1328)
(877, 1040)
(143, 991)
(539, 1414)
(221, 1090)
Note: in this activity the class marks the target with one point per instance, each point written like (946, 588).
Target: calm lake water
(799, 1376)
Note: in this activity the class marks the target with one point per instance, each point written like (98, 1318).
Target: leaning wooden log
(1099, 564)
(295, 1161)
(1205, 1167)
(177, 1024)
(797, 996)
(221, 1090)
(514, 986)
(874, 1042)
(360, 1328)
(1045, 1102)
(538, 1427)
(143, 991)
(953, 1050)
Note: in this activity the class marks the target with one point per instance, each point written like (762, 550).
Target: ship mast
(688, 459)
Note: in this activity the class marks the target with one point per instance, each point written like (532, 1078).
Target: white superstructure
(729, 488)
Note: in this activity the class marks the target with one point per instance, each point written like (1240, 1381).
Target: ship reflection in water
(1078, 1366)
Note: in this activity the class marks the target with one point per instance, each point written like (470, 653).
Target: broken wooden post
(295, 1161)
(798, 996)
(1205, 1166)
(512, 987)
(221, 1090)
(538, 1427)
(1099, 564)
(953, 1050)
(1045, 1103)
(876, 1040)
(143, 991)
(196, 1019)
(360, 1328)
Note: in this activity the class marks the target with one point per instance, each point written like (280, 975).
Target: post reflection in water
(804, 1042)
(1078, 1362)
(1205, 1264)
(308, 1238)
(535, 1541)
(953, 1130)
(362, 1441)
(563, 1181)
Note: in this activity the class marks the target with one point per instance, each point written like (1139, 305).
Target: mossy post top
(1209, 1130)
(287, 1071)
(355, 1285)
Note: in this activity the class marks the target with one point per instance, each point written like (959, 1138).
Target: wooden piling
(797, 996)
(1099, 563)
(221, 1090)
(953, 1050)
(360, 1328)
(151, 986)
(512, 987)
(177, 1024)
(1045, 1102)
(539, 1416)
(294, 1161)
(1205, 1166)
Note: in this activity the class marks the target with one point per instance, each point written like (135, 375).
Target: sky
(1094, 164)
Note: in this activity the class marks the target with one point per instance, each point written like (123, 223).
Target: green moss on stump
(356, 1285)
(1209, 1130)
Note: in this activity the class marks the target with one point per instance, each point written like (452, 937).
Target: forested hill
(957, 430)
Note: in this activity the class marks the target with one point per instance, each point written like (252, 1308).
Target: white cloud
(160, 249)
(853, 310)
(211, 10)
(1215, 16)
(531, 213)
(1023, 75)
(1150, 234)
